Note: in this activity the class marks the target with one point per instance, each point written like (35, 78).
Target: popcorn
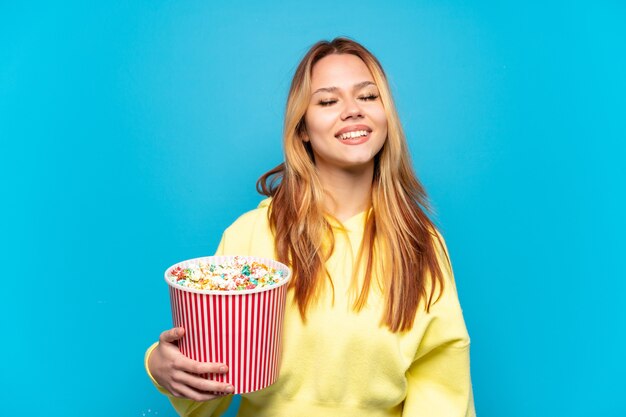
(216, 297)
(235, 274)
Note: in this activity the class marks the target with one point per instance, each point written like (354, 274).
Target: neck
(348, 192)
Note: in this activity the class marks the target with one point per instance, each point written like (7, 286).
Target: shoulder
(441, 252)
(251, 218)
(447, 293)
(250, 234)
(444, 322)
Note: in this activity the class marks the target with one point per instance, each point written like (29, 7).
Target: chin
(358, 164)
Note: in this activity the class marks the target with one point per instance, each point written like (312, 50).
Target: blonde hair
(397, 223)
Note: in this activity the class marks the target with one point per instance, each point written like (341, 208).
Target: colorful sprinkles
(234, 274)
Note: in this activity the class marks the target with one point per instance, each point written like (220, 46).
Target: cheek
(318, 123)
(380, 118)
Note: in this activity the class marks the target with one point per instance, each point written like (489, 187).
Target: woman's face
(345, 121)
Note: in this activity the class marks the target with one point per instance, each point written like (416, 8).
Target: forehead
(339, 70)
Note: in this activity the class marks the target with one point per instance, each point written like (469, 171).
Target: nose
(351, 110)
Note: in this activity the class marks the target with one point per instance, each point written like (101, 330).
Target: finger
(204, 385)
(185, 391)
(185, 364)
(172, 335)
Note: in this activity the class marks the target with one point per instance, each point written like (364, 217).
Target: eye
(327, 102)
(369, 97)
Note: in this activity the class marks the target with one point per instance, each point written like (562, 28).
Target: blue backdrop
(132, 134)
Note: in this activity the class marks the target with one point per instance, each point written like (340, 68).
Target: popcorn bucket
(241, 328)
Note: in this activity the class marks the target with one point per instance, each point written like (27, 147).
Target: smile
(352, 135)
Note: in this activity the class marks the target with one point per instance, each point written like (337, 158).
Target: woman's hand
(180, 375)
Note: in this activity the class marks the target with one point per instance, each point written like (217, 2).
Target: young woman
(373, 325)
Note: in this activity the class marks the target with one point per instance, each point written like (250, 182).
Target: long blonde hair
(397, 223)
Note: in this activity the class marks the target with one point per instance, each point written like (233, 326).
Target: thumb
(172, 335)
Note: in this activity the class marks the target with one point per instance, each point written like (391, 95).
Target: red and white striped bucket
(241, 328)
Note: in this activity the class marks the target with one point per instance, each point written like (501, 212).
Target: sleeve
(438, 381)
(439, 384)
(183, 406)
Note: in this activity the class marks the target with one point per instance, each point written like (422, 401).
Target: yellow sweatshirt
(343, 363)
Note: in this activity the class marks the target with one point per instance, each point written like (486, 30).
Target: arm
(438, 380)
(194, 401)
(176, 376)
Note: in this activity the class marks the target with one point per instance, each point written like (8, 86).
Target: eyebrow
(356, 86)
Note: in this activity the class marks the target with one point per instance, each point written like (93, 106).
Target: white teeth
(351, 135)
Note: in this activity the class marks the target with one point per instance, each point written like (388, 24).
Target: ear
(304, 135)
(301, 131)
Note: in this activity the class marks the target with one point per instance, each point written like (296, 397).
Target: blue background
(132, 134)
